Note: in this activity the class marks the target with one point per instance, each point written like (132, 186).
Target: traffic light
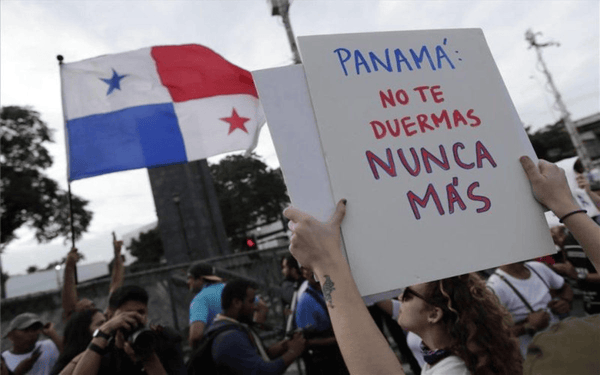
(249, 243)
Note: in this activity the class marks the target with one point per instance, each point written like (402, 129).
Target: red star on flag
(235, 122)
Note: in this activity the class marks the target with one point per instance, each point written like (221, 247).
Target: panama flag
(156, 106)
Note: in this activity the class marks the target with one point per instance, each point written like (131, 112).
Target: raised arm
(51, 333)
(118, 271)
(316, 246)
(69, 292)
(550, 188)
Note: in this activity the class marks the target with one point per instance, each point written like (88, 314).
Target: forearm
(117, 275)
(57, 340)
(69, 292)
(196, 333)
(593, 278)
(277, 350)
(371, 354)
(89, 363)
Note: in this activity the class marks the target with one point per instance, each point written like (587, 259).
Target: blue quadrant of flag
(147, 135)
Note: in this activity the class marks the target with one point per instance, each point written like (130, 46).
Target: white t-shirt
(44, 363)
(414, 344)
(451, 365)
(534, 290)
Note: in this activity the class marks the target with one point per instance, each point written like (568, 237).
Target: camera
(142, 341)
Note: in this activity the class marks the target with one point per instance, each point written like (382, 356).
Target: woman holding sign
(455, 317)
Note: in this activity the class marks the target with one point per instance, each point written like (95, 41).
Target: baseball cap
(23, 321)
(205, 271)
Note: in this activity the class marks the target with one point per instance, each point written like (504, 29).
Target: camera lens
(143, 342)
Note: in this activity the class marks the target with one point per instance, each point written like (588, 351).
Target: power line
(530, 36)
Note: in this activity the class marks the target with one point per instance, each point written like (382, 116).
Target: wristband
(95, 348)
(99, 333)
(571, 213)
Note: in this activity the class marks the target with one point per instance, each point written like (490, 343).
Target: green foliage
(148, 247)
(28, 196)
(249, 193)
(552, 142)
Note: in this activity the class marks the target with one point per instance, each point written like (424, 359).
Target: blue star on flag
(113, 82)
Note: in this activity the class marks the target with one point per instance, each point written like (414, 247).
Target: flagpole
(60, 62)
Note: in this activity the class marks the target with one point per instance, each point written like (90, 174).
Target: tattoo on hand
(327, 289)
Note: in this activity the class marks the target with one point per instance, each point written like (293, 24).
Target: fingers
(117, 245)
(129, 350)
(545, 167)
(530, 168)
(340, 212)
(291, 225)
(295, 214)
(119, 340)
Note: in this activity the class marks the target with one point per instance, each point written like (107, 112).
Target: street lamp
(177, 201)
(58, 268)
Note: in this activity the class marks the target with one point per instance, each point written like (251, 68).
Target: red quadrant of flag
(194, 72)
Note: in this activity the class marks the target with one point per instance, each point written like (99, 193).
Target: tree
(28, 197)
(32, 269)
(552, 142)
(249, 193)
(148, 247)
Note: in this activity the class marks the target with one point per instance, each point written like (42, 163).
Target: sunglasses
(407, 294)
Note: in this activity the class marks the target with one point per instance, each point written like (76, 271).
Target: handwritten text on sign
(418, 132)
(412, 159)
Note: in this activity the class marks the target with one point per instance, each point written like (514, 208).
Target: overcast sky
(245, 33)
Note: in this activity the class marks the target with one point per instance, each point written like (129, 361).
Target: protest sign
(419, 134)
(286, 102)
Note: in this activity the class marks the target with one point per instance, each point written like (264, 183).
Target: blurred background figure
(536, 297)
(322, 354)
(28, 355)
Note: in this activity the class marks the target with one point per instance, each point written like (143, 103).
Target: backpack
(201, 361)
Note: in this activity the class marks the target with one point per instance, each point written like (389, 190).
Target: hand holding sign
(315, 244)
(549, 186)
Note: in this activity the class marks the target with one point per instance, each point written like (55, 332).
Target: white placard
(422, 118)
(286, 103)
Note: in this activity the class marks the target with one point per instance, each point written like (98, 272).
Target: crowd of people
(494, 322)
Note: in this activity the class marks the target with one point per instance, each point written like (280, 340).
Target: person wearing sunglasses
(457, 314)
(463, 327)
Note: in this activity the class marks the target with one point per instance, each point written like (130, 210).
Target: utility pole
(582, 153)
(282, 8)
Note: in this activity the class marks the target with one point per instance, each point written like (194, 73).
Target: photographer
(123, 345)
